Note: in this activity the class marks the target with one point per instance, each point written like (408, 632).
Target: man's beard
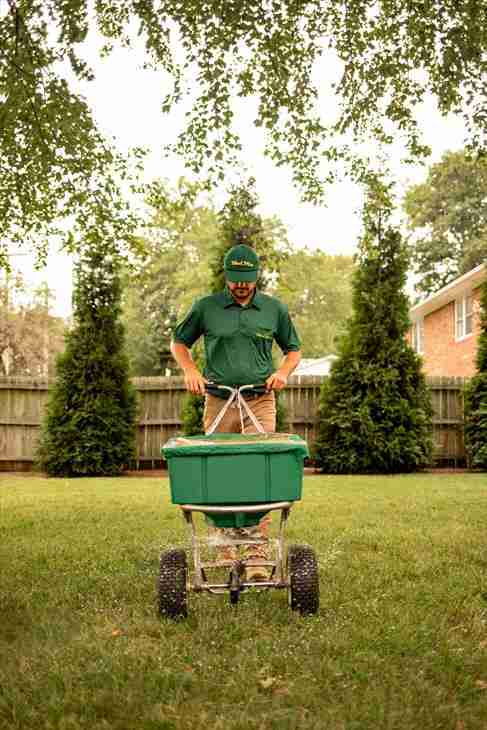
(241, 292)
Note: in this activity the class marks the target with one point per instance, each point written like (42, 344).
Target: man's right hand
(194, 381)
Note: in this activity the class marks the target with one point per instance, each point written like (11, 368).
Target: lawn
(400, 640)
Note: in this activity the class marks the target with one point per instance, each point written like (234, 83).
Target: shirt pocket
(262, 329)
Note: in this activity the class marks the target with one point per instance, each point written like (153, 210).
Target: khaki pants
(264, 409)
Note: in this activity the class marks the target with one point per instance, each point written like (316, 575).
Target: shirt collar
(228, 300)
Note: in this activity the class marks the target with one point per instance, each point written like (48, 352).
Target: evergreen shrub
(282, 422)
(375, 410)
(89, 428)
(192, 414)
(476, 398)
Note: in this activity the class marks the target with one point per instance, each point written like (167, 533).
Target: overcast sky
(126, 103)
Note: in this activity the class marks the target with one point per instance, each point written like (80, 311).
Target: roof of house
(315, 365)
(449, 293)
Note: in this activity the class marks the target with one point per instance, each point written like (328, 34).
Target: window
(463, 317)
(418, 336)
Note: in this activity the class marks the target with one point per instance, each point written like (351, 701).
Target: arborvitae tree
(476, 397)
(89, 428)
(375, 410)
(240, 223)
(193, 405)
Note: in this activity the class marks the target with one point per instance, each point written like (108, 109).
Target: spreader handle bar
(241, 387)
(209, 508)
(236, 395)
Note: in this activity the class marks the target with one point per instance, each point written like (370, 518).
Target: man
(239, 326)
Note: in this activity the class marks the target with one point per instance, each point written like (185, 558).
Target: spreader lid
(235, 443)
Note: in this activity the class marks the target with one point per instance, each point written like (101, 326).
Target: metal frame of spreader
(237, 582)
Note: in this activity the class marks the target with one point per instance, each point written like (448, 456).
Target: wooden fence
(22, 402)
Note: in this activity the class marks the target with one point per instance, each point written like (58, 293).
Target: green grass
(400, 641)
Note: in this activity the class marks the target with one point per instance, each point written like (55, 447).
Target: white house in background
(315, 365)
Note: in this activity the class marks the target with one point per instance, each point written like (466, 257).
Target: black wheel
(171, 586)
(302, 570)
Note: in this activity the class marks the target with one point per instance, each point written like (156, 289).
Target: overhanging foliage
(388, 55)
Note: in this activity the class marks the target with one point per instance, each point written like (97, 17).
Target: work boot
(256, 573)
(257, 552)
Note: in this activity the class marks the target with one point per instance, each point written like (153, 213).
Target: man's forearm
(182, 355)
(290, 362)
(193, 379)
(277, 381)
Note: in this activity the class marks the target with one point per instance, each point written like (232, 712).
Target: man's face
(241, 291)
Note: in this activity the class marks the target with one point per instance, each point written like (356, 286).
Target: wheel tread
(171, 585)
(304, 579)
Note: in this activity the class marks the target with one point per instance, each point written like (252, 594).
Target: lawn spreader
(234, 480)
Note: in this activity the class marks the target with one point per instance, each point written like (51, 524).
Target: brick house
(446, 325)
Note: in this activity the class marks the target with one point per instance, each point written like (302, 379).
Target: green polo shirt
(238, 339)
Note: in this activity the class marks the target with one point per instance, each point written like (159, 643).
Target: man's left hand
(276, 381)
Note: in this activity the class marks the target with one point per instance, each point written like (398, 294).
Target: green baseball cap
(241, 263)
